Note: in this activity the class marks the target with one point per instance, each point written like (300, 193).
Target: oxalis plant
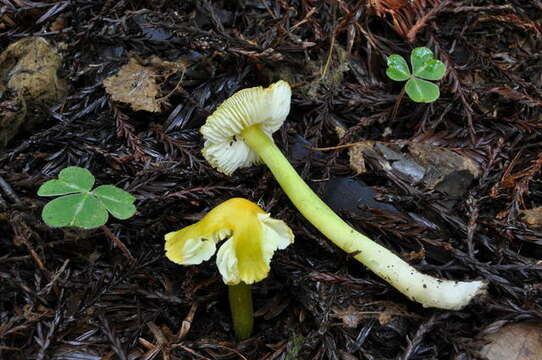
(79, 204)
(424, 67)
(239, 134)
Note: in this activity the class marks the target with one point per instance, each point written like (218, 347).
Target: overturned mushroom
(244, 258)
(239, 134)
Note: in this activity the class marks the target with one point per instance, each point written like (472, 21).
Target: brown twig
(22, 236)
(422, 22)
(115, 240)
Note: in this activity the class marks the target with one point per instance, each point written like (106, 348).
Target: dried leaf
(532, 217)
(521, 341)
(135, 84)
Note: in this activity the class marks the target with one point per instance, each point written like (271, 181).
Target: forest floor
(452, 186)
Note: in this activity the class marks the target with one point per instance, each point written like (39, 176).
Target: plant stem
(240, 296)
(396, 106)
(425, 289)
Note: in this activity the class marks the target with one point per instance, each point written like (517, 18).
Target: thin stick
(337, 147)
(118, 243)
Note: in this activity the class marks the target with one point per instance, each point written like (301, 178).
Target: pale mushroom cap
(224, 147)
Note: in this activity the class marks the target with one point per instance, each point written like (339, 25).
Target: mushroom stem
(240, 296)
(427, 290)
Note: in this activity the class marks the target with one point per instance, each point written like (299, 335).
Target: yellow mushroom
(239, 134)
(252, 238)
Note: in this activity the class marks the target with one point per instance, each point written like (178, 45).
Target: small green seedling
(80, 206)
(424, 66)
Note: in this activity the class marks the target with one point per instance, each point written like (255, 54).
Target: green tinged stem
(240, 296)
(427, 290)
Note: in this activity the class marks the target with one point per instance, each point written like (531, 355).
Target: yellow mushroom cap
(253, 237)
(224, 147)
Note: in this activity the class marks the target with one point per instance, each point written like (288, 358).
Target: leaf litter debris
(29, 81)
(136, 84)
(69, 294)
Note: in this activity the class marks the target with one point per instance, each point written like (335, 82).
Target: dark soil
(71, 294)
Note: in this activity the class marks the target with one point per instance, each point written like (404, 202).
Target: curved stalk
(425, 289)
(240, 296)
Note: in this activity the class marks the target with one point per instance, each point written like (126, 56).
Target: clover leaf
(424, 66)
(80, 206)
(397, 68)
